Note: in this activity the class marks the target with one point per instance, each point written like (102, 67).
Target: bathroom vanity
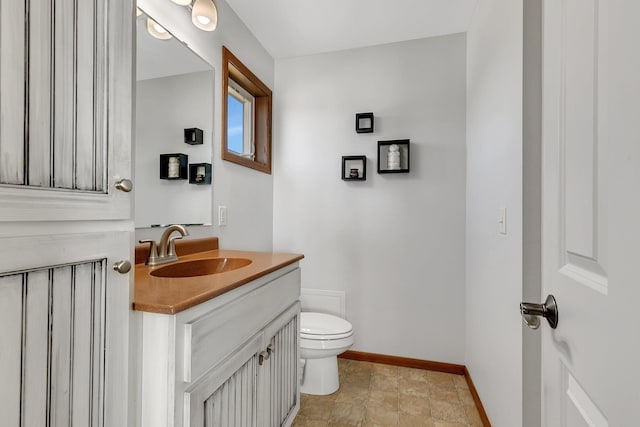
(219, 349)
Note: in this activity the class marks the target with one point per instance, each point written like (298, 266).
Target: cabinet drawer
(213, 336)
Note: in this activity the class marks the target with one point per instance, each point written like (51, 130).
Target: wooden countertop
(172, 295)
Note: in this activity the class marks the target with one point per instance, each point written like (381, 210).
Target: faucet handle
(171, 251)
(153, 250)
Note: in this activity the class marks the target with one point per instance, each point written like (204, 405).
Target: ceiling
(302, 27)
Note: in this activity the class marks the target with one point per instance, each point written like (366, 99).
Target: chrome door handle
(532, 312)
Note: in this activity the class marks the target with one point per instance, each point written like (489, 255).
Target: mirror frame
(234, 69)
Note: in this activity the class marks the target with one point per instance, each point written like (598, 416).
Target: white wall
(394, 243)
(247, 194)
(494, 180)
(164, 108)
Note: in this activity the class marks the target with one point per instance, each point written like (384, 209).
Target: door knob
(532, 312)
(122, 267)
(124, 185)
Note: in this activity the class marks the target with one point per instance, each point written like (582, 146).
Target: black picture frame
(404, 146)
(351, 163)
(364, 122)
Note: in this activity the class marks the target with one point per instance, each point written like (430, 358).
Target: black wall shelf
(200, 173)
(388, 162)
(193, 136)
(182, 160)
(354, 168)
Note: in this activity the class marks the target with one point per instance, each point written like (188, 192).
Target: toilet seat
(322, 326)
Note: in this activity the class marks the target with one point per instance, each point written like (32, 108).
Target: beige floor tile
(441, 379)
(412, 374)
(375, 395)
(460, 382)
(473, 416)
(317, 409)
(447, 411)
(384, 400)
(384, 383)
(386, 370)
(301, 421)
(352, 394)
(448, 424)
(444, 393)
(465, 397)
(377, 415)
(414, 421)
(347, 414)
(413, 387)
(414, 405)
(358, 379)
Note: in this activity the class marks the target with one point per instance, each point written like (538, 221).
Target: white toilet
(322, 338)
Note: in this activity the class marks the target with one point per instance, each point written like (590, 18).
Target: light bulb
(182, 2)
(204, 15)
(156, 30)
(203, 20)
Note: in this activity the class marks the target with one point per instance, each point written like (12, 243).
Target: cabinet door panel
(65, 110)
(226, 396)
(65, 315)
(280, 375)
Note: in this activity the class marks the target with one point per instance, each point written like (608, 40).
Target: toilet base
(320, 376)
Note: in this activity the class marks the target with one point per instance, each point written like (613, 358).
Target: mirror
(174, 93)
(246, 116)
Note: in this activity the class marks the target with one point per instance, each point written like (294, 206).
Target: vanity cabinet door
(278, 375)
(227, 396)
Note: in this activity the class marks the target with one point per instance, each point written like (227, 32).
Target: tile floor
(372, 394)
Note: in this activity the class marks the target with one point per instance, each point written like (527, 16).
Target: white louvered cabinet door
(65, 109)
(64, 323)
(227, 396)
(278, 375)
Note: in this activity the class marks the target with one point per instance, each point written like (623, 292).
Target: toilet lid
(323, 324)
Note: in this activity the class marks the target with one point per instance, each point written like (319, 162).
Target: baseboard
(406, 362)
(476, 399)
(427, 365)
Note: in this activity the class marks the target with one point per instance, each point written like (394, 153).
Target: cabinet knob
(122, 267)
(263, 356)
(124, 185)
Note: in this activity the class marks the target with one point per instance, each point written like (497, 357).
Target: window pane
(235, 126)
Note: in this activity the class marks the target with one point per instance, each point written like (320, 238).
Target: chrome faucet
(165, 251)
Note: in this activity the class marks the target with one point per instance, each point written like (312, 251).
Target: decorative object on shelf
(364, 122)
(193, 136)
(393, 156)
(173, 166)
(354, 168)
(204, 14)
(200, 173)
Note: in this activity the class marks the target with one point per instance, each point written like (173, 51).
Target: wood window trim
(233, 68)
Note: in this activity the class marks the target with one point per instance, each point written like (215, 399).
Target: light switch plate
(222, 216)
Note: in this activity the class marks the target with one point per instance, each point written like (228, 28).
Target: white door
(65, 141)
(591, 212)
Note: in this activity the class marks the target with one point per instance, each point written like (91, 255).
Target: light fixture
(156, 30)
(182, 2)
(138, 12)
(204, 15)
